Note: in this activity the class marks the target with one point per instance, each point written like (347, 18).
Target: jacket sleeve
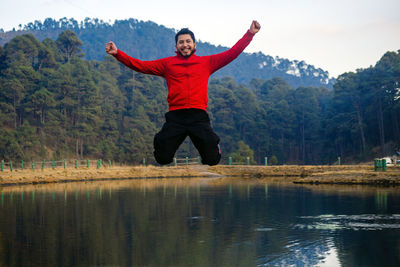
(220, 60)
(154, 67)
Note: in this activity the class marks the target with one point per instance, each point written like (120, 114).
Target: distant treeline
(148, 40)
(55, 105)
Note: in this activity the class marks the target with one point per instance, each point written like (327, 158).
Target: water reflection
(381, 200)
(312, 254)
(198, 222)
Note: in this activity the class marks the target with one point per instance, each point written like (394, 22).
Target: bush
(273, 160)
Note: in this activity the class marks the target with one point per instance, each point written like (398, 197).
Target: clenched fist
(255, 27)
(111, 48)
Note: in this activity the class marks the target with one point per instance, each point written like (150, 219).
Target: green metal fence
(53, 164)
(186, 161)
(379, 164)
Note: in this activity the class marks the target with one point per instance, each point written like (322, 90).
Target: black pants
(179, 124)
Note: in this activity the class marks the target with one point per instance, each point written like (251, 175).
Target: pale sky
(335, 35)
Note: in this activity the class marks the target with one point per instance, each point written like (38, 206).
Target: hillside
(148, 40)
(55, 104)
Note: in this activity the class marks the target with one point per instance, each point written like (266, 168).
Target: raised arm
(220, 60)
(154, 67)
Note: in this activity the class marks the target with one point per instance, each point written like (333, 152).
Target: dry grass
(345, 174)
(29, 176)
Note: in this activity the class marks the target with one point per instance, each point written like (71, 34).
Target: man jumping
(187, 77)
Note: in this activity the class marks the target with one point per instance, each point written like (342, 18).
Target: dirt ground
(344, 174)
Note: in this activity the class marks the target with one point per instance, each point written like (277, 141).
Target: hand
(255, 27)
(111, 48)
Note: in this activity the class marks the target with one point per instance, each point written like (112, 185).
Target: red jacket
(187, 78)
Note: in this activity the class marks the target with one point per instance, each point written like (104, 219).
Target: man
(187, 77)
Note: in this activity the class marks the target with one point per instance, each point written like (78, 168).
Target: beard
(187, 55)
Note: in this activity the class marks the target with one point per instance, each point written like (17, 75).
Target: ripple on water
(350, 222)
(264, 229)
(320, 253)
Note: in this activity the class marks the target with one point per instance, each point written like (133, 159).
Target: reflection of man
(187, 77)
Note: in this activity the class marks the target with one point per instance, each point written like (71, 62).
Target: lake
(199, 222)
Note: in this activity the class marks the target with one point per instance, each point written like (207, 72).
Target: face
(185, 45)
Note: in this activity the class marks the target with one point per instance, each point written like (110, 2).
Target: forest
(147, 40)
(55, 104)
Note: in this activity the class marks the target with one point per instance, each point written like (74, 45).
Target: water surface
(199, 222)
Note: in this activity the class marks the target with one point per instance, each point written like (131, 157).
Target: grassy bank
(345, 174)
(29, 176)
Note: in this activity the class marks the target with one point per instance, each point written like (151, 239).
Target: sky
(337, 36)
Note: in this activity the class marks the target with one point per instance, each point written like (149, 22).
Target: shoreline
(362, 174)
(297, 174)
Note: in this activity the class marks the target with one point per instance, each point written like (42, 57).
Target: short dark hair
(184, 31)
